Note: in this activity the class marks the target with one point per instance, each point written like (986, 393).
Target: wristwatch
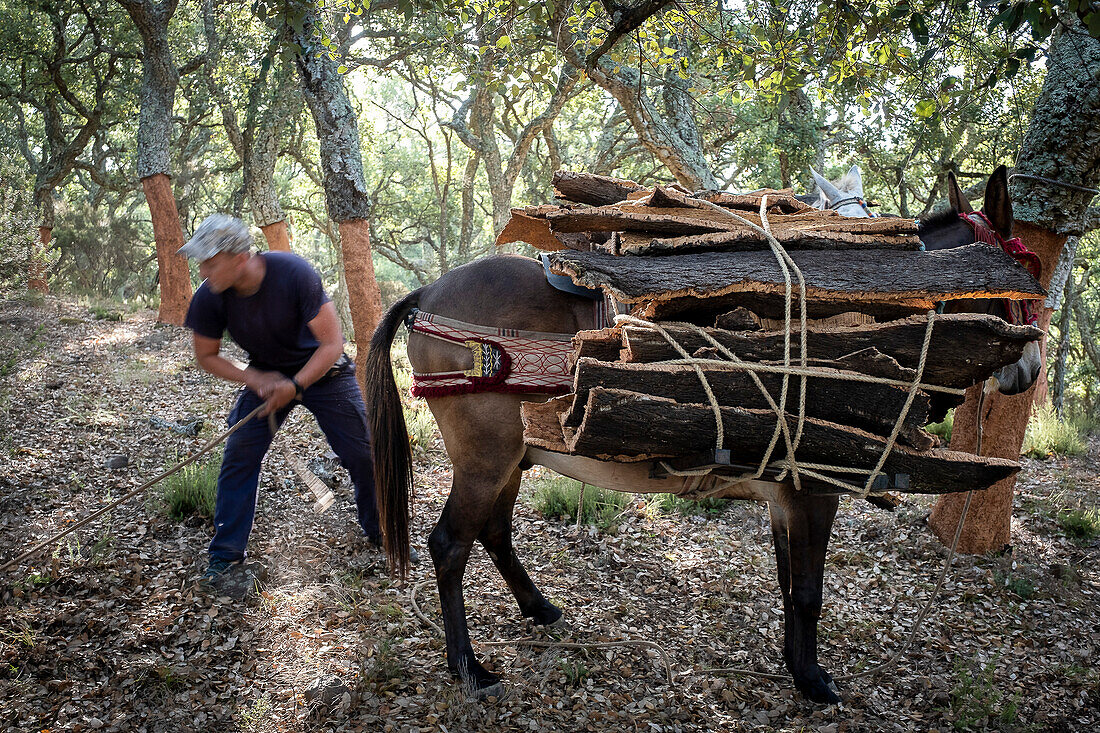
(297, 388)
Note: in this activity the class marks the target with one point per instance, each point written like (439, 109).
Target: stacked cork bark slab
(700, 260)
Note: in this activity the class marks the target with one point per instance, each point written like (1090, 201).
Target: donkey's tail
(390, 438)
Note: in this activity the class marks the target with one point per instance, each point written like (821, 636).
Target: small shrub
(557, 497)
(103, 313)
(1080, 525)
(421, 425)
(1047, 435)
(942, 429)
(976, 703)
(192, 490)
(670, 503)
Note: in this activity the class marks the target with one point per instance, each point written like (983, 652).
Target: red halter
(1020, 311)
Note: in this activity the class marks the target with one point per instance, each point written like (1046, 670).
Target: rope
(594, 645)
(905, 408)
(789, 463)
(545, 644)
(1051, 181)
(202, 451)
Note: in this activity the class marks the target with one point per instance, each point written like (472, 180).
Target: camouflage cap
(217, 233)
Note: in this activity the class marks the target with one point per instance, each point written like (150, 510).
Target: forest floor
(110, 632)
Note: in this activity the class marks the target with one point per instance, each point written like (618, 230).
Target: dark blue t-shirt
(272, 324)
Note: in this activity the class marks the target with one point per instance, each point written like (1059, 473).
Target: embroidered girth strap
(504, 359)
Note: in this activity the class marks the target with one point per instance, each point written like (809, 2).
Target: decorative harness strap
(1020, 311)
(853, 200)
(505, 359)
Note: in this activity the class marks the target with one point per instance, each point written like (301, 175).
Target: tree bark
(363, 293)
(1065, 322)
(158, 90)
(37, 275)
(175, 277)
(1053, 302)
(1063, 145)
(346, 196)
(276, 236)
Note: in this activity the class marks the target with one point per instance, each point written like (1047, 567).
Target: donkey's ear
(855, 180)
(955, 195)
(998, 206)
(831, 192)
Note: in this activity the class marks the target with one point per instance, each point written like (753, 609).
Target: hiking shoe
(216, 570)
(227, 578)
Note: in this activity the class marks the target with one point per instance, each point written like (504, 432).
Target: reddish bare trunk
(364, 298)
(1042, 384)
(276, 236)
(175, 278)
(37, 274)
(1004, 420)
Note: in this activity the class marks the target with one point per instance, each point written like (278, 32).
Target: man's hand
(276, 390)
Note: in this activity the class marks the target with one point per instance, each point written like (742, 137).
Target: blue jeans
(338, 406)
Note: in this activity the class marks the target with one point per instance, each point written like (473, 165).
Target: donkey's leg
(496, 537)
(467, 509)
(801, 525)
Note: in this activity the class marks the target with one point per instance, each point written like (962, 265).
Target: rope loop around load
(789, 464)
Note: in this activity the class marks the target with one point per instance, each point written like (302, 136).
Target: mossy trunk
(346, 196)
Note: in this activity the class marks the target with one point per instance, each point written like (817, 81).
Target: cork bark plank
(965, 348)
(670, 428)
(873, 407)
(972, 271)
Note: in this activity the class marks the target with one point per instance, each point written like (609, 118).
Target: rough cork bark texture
(826, 398)
(588, 188)
(662, 426)
(920, 278)
(37, 275)
(338, 133)
(175, 278)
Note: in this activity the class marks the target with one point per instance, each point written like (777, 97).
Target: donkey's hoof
(548, 615)
(484, 693)
(820, 689)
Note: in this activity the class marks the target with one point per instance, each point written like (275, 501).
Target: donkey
(845, 194)
(483, 436)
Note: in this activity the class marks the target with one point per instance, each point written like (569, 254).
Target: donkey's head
(845, 195)
(993, 225)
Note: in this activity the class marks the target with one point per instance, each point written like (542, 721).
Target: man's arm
(209, 358)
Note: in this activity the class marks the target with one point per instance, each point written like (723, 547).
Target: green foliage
(1080, 525)
(192, 490)
(942, 429)
(670, 503)
(558, 497)
(420, 424)
(18, 251)
(103, 253)
(386, 667)
(1048, 435)
(976, 703)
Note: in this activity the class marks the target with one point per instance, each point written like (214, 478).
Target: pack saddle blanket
(505, 359)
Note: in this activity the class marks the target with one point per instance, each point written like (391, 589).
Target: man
(274, 307)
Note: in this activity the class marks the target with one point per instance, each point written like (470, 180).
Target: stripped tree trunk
(158, 91)
(1062, 144)
(346, 196)
(276, 235)
(37, 274)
